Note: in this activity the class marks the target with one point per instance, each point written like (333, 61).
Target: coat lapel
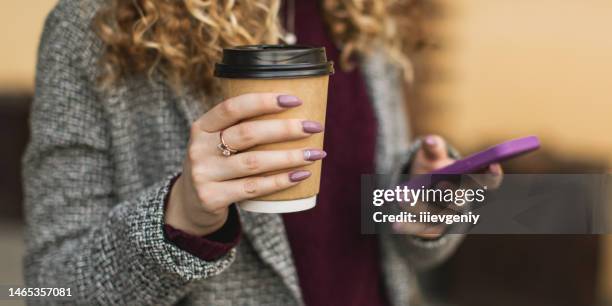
(267, 235)
(385, 89)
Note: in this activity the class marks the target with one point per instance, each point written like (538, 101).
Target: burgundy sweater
(336, 265)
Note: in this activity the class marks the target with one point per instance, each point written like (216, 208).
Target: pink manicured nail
(288, 101)
(431, 141)
(299, 175)
(312, 127)
(314, 154)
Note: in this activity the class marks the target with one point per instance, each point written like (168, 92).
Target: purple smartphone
(478, 161)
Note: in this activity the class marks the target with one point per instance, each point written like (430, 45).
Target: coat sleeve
(423, 253)
(78, 234)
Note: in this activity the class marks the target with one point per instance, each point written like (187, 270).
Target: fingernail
(299, 175)
(495, 169)
(312, 127)
(431, 141)
(288, 101)
(314, 154)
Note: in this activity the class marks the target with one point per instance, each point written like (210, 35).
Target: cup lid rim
(273, 61)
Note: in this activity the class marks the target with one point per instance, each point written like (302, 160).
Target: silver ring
(224, 148)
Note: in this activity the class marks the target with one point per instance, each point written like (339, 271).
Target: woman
(129, 201)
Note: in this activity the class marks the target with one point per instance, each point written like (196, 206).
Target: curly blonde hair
(182, 39)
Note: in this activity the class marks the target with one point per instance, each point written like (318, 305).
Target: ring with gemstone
(224, 148)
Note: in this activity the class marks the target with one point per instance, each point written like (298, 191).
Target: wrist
(184, 213)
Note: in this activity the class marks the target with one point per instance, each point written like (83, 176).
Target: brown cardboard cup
(294, 70)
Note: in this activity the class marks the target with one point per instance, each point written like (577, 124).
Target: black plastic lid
(273, 61)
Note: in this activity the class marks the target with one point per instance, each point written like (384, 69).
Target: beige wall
(20, 26)
(513, 68)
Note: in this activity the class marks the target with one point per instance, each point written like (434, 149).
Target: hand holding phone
(478, 161)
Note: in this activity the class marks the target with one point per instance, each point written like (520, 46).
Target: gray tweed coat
(97, 172)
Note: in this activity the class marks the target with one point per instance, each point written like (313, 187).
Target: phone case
(478, 161)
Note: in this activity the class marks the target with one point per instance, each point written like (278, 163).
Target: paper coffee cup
(301, 71)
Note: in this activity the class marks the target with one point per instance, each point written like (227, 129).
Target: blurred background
(496, 69)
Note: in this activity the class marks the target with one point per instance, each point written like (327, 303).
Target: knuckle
(197, 179)
(199, 175)
(288, 128)
(195, 128)
(250, 162)
(245, 133)
(250, 186)
(204, 195)
(209, 199)
(262, 101)
(294, 157)
(297, 126)
(192, 154)
(279, 182)
(228, 109)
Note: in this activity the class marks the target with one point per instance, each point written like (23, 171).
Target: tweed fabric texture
(97, 172)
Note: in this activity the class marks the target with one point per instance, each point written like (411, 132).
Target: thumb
(434, 147)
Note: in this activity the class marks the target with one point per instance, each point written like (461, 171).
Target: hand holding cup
(212, 181)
